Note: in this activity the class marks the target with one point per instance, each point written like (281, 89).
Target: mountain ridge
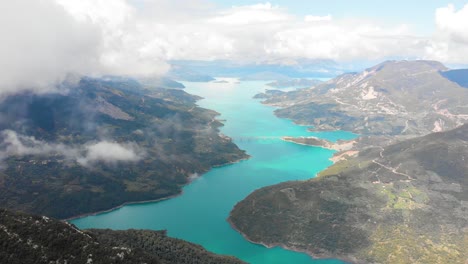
(404, 203)
(102, 144)
(397, 193)
(383, 100)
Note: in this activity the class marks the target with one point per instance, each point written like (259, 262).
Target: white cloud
(109, 14)
(40, 45)
(125, 38)
(44, 41)
(253, 14)
(110, 152)
(346, 40)
(264, 32)
(453, 23)
(136, 42)
(13, 144)
(450, 40)
(310, 18)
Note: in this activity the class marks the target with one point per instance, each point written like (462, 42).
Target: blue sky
(416, 13)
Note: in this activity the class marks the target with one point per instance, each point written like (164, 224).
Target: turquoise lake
(199, 214)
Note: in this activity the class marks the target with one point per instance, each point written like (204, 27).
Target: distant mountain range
(396, 194)
(36, 239)
(102, 143)
(279, 70)
(294, 83)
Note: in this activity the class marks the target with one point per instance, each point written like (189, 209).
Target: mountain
(268, 93)
(268, 70)
(162, 82)
(103, 143)
(264, 75)
(298, 83)
(156, 82)
(184, 73)
(392, 98)
(404, 203)
(28, 238)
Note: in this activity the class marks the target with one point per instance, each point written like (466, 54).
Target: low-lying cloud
(40, 45)
(88, 154)
(110, 152)
(46, 42)
(20, 145)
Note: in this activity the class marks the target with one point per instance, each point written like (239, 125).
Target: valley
(397, 193)
(201, 131)
(199, 214)
(371, 190)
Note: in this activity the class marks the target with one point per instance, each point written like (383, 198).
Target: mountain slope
(38, 239)
(298, 83)
(104, 143)
(392, 98)
(405, 203)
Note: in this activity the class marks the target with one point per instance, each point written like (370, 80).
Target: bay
(199, 214)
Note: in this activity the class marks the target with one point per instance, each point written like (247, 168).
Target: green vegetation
(405, 203)
(171, 136)
(28, 238)
(401, 244)
(394, 203)
(341, 166)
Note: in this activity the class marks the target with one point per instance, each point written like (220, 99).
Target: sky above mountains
(45, 42)
(417, 14)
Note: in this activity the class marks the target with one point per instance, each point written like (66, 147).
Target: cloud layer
(110, 152)
(13, 144)
(45, 41)
(450, 40)
(40, 44)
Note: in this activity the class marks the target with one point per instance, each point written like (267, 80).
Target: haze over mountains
(268, 70)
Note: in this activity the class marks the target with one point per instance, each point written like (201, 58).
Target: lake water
(199, 214)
